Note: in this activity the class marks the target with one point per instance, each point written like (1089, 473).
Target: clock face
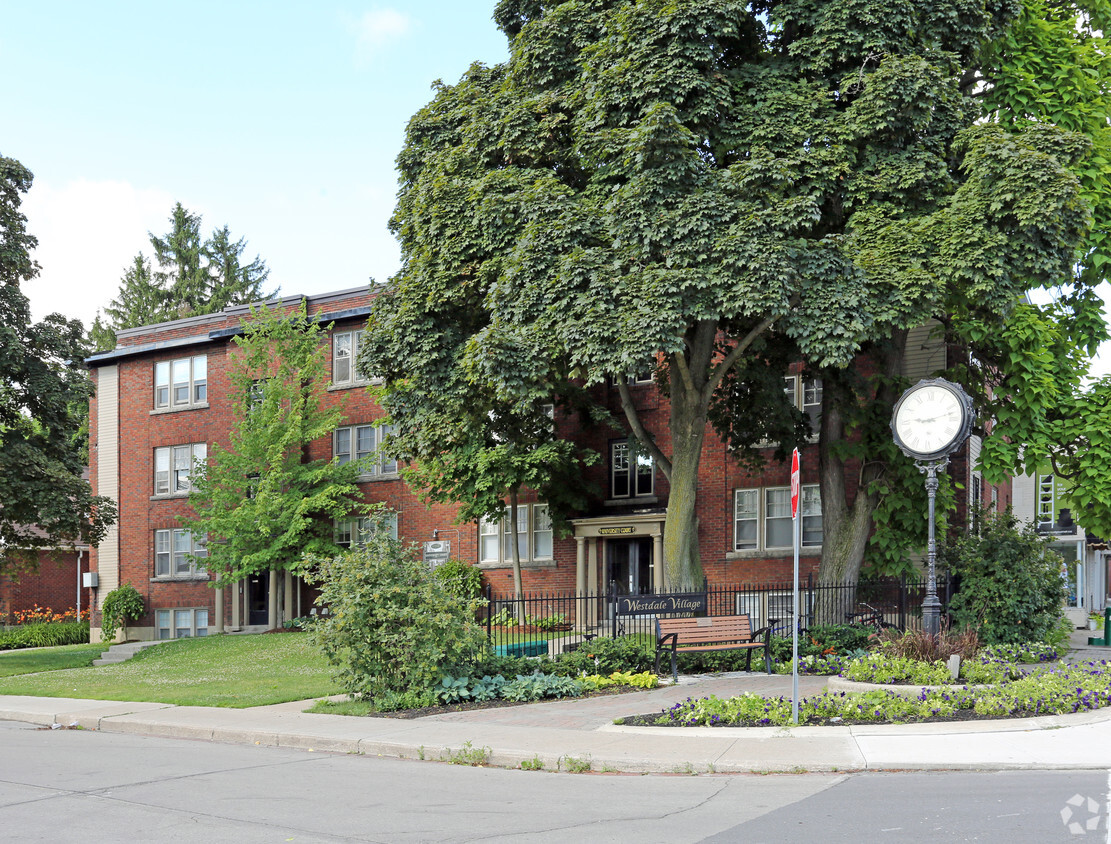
(929, 419)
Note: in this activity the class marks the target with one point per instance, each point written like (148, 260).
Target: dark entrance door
(629, 565)
(258, 593)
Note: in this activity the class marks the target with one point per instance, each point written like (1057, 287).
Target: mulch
(494, 704)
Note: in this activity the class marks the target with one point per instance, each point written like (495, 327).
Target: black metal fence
(551, 622)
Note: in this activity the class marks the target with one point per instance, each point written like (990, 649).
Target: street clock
(932, 419)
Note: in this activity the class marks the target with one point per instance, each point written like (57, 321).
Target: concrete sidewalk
(567, 734)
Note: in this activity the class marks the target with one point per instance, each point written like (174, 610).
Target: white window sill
(158, 411)
(639, 499)
(547, 563)
(351, 385)
(366, 479)
(774, 553)
(169, 496)
(179, 578)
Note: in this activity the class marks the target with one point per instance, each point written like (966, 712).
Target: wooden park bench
(718, 633)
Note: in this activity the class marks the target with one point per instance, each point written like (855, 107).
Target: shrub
(1010, 582)
(393, 626)
(604, 656)
(460, 579)
(121, 605)
(917, 644)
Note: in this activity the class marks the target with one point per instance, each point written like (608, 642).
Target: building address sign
(617, 531)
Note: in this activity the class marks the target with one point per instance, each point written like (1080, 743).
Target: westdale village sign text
(691, 602)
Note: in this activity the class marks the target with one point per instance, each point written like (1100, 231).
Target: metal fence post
(489, 612)
(613, 609)
(903, 601)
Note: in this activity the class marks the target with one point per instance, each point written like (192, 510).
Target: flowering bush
(45, 615)
(887, 668)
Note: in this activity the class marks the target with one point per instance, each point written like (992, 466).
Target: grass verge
(48, 659)
(232, 671)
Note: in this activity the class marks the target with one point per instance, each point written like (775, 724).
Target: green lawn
(234, 671)
(48, 659)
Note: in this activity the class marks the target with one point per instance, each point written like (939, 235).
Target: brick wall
(54, 584)
(142, 431)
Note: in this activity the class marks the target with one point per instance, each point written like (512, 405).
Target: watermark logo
(1081, 815)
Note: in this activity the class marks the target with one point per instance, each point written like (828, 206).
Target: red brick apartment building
(162, 399)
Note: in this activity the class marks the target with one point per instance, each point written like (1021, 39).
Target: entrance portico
(629, 547)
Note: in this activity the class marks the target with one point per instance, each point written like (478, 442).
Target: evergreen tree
(181, 272)
(187, 277)
(230, 280)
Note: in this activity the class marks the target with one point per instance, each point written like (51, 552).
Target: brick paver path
(591, 713)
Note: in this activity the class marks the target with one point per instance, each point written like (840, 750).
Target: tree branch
(739, 349)
(639, 431)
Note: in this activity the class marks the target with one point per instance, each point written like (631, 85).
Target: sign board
(661, 604)
(617, 531)
(795, 484)
(436, 553)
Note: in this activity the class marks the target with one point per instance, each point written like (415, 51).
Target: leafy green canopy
(689, 179)
(260, 502)
(44, 501)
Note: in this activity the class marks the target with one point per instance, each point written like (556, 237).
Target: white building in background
(1036, 501)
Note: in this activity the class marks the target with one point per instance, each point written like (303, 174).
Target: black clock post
(932, 419)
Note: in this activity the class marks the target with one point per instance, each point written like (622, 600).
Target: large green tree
(262, 504)
(696, 182)
(1023, 362)
(44, 501)
(188, 276)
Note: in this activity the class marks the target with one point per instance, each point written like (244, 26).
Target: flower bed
(1048, 690)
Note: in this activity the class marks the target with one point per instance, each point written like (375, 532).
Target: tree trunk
(688, 430)
(518, 589)
(847, 524)
(695, 373)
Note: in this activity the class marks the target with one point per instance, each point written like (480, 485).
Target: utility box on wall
(90, 579)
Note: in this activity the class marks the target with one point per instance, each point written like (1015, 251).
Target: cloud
(88, 233)
(377, 28)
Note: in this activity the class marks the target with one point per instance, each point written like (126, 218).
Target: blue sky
(280, 120)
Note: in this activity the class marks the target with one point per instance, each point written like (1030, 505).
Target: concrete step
(122, 652)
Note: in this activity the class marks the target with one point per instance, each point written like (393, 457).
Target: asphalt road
(65, 785)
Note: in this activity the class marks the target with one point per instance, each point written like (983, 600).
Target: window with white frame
(356, 531)
(762, 518)
(632, 472)
(178, 553)
(364, 443)
(1047, 499)
(534, 535)
(181, 383)
(175, 465)
(345, 355)
(642, 375)
(746, 519)
(181, 623)
(806, 395)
